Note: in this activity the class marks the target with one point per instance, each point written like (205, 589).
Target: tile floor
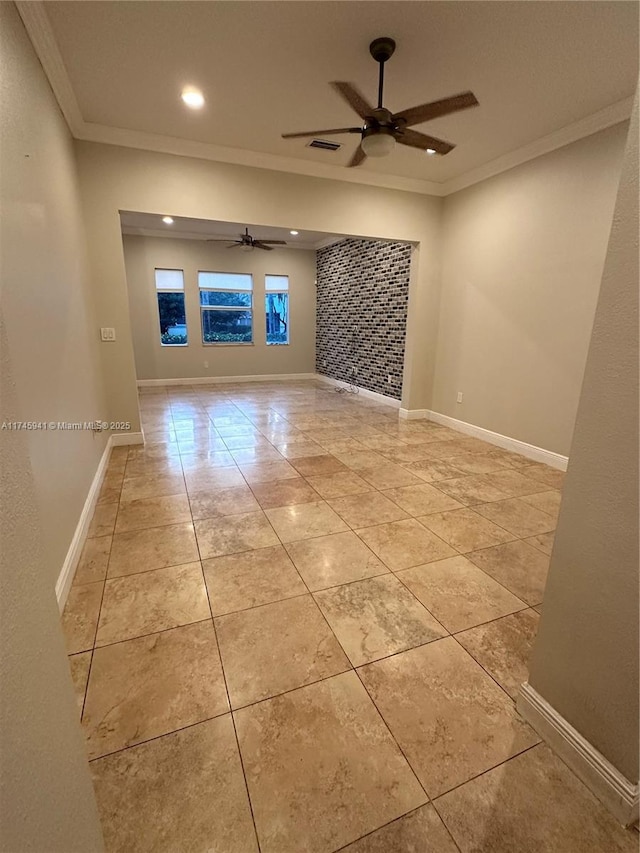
(299, 626)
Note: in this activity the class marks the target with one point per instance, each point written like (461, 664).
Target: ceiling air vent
(324, 144)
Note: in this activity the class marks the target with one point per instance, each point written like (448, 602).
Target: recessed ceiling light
(431, 151)
(193, 97)
(167, 220)
(293, 232)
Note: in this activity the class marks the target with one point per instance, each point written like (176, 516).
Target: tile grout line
(283, 546)
(392, 736)
(396, 820)
(444, 823)
(390, 823)
(154, 738)
(484, 773)
(226, 687)
(308, 592)
(151, 633)
(459, 554)
(483, 667)
(95, 633)
(322, 614)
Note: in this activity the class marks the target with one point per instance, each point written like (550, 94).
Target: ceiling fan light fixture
(246, 247)
(378, 144)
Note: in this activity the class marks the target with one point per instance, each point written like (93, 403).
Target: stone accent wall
(361, 313)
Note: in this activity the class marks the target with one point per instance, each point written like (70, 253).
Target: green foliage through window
(226, 307)
(277, 318)
(173, 321)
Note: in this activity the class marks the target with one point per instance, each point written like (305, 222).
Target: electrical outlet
(459, 397)
(206, 364)
(389, 379)
(107, 334)
(324, 362)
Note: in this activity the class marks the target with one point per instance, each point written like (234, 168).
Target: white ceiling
(264, 67)
(151, 225)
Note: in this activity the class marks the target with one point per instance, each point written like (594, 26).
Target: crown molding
(38, 26)
(91, 132)
(594, 123)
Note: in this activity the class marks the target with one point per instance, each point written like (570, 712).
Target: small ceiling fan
(247, 242)
(382, 128)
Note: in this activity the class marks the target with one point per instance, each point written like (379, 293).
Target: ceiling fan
(247, 242)
(382, 128)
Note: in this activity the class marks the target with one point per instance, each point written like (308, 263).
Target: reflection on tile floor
(297, 620)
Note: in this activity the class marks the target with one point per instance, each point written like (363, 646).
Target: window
(226, 307)
(173, 320)
(276, 303)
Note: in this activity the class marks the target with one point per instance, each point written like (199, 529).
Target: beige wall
(48, 371)
(154, 361)
(114, 178)
(46, 797)
(585, 660)
(522, 259)
(46, 294)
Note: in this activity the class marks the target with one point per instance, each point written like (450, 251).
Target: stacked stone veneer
(361, 314)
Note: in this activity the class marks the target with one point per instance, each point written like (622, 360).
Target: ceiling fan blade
(435, 109)
(353, 97)
(220, 240)
(322, 132)
(274, 242)
(235, 245)
(358, 157)
(414, 139)
(257, 244)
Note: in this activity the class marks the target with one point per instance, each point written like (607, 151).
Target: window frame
(243, 308)
(280, 292)
(182, 291)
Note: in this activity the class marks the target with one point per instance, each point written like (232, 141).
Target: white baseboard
(118, 439)
(614, 790)
(67, 573)
(413, 414)
(363, 392)
(221, 380)
(538, 454)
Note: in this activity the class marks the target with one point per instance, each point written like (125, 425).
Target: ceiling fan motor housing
(379, 118)
(382, 48)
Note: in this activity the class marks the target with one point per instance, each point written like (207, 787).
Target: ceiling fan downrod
(381, 49)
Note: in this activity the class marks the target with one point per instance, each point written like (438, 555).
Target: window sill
(228, 344)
